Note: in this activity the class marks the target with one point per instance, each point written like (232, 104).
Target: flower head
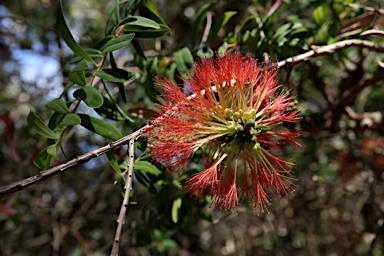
(235, 115)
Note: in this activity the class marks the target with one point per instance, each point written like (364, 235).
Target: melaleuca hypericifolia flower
(235, 114)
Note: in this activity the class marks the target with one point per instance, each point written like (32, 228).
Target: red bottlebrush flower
(234, 115)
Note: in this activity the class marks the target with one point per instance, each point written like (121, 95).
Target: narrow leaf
(42, 159)
(100, 127)
(67, 36)
(112, 161)
(141, 32)
(140, 22)
(90, 95)
(175, 209)
(81, 66)
(119, 85)
(37, 124)
(51, 150)
(117, 43)
(144, 180)
(58, 105)
(115, 75)
(147, 167)
(93, 53)
(77, 77)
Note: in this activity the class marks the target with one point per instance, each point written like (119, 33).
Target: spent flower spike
(235, 115)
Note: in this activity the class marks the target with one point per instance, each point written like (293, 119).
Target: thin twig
(9, 189)
(124, 206)
(207, 28)
(328, 49)
(366, 8)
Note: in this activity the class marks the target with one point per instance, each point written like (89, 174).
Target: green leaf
(51, 150)
(119, 85)
(58, 105)
(144, 180)
(318, 15)
(138, 48)
(81, 66)
(100, 127)
(115, 75)
(55, 120)
(148, 10)
(37, 124)
(222, 20)
(199, 20)
(184, 61)
(69, 120)
(112, 161)
(42, 159)
(147, 167)
(77, 77)
(222, 49)
(187, 56)
(205, 52)
(90, 95)
(67, 36)
(141, 32)
(109, 110)
(117, 43)
(140, 22)
(93, 53)
(175, 209)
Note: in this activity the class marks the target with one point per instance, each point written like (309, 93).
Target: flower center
(242, 131)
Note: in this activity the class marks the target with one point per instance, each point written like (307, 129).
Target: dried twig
(366, 8)
(207, 29)
(328, 49)
(6, 190)
(124, 206)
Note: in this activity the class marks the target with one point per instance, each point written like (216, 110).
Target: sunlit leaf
(140, 22)
(318, 15)
(70, 120)
(175, 209)
(117, 43)
(147, 167)
(51, 150)
(58, 105)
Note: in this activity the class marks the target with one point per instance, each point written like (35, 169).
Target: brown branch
(328, 49)
(17, 186)
(124, 206)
